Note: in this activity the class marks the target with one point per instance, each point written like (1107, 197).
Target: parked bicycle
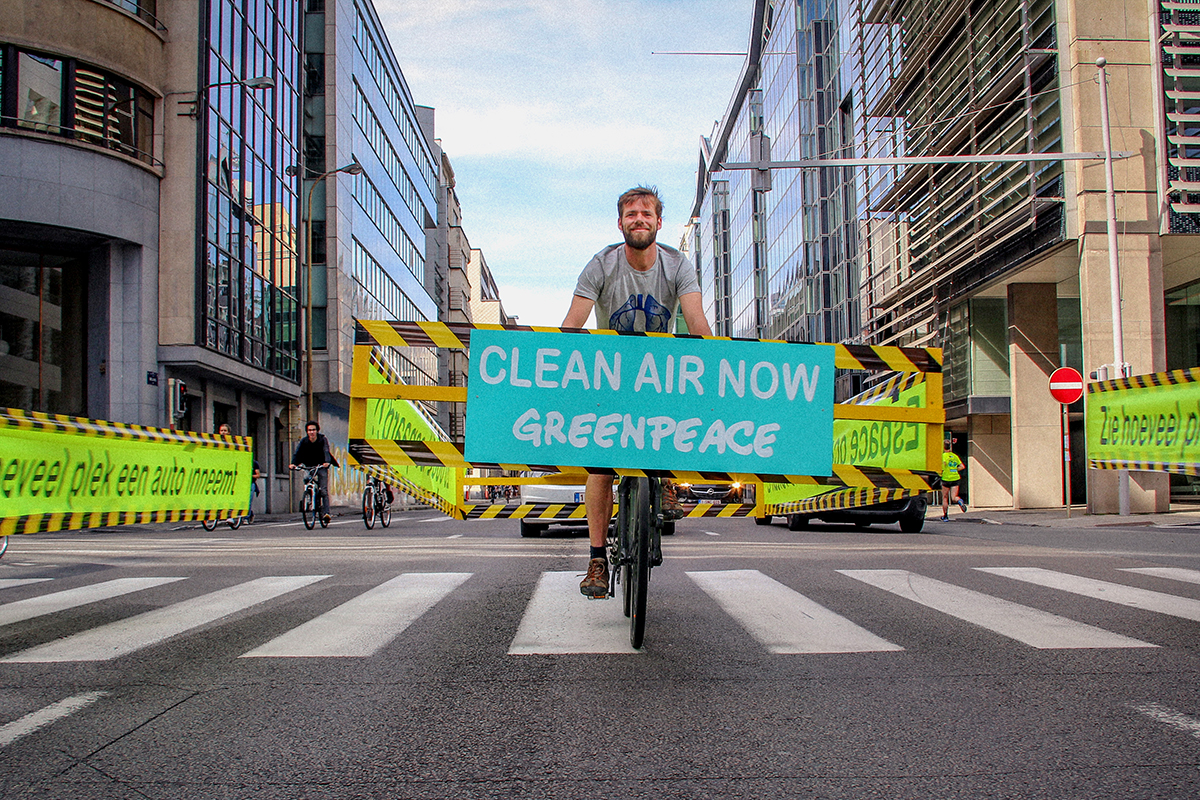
(310, 501)
(635, 547)
(376, 503)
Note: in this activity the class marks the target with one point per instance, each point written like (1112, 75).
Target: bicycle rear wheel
(368, 505)
(209, 524)
(642, 509)
(385, 514)
(234, 522)
(308, 508)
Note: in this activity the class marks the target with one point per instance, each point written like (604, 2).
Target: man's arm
(693, 314)
(577, 314)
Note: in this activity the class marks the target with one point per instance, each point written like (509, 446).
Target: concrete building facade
(157, 164)
(1003, 264)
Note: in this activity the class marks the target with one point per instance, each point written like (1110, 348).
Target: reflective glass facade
(847, 254)
(250, 295)
(395, 197)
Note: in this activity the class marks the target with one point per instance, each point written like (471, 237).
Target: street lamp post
(1114, 272)
(353, 168)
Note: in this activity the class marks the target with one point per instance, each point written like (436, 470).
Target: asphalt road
(440, 659)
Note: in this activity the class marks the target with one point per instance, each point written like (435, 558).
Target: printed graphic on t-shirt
(656, 315)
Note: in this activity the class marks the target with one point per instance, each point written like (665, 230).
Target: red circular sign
(1066, 385)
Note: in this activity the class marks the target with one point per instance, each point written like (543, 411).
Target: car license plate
(579, 497)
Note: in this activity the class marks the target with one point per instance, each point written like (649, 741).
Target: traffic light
(176, 399)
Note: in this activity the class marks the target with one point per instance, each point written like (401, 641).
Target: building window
(43, 335)
(69, 98)
(251, 298)
(39, 92)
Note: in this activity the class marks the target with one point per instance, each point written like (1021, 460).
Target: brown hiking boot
(595, 584)
(671, 507)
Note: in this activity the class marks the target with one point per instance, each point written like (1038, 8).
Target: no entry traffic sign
(1066, 385)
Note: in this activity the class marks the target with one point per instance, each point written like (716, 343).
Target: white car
(568, 493)
(551, 493)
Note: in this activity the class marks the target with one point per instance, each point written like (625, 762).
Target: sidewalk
(1180, 514)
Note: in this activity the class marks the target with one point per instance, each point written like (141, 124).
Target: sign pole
(1066, 425)
(1066, 386)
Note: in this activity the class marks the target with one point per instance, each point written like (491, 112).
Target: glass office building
(1003, 264)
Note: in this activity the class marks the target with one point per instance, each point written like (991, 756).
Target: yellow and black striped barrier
(841, 499)
(917, 368)
(68, 473)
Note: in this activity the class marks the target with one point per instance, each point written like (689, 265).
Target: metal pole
(308, 314)
(1114, 274)
(1066, 431)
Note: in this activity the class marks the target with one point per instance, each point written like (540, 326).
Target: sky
(549, 109)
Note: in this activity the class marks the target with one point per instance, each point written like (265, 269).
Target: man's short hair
(312, 423)
(635, 193)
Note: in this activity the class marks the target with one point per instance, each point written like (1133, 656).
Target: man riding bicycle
(633, 286)
(313, 451)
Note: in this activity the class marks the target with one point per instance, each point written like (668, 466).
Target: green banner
(892, 445)
(400, 419)
(61, 473)
(1147, 422)
(870, 443)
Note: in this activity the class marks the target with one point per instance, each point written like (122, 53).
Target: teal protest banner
(649, 402)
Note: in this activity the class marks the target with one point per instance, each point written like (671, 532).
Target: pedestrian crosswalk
(777, 615)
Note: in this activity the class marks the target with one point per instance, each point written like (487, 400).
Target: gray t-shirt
(629, 300)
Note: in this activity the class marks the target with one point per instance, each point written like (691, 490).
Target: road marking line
(51, 713)
(8, 583)
(362, 626)
(559, 619)
(711, 533)
(129, 635)
(782, 619)
(1171, 717)
(1145, 599)
(455, 536)
(1170, 573)
(72, 598)
(1032, 626)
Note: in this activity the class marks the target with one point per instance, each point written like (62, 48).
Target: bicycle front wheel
(209, 524)
(385, 514)
(639, 571)
(369, 507)
(308, 509)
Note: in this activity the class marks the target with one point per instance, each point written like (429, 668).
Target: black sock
(599, 552)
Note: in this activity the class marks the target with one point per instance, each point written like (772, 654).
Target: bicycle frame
(635, 547)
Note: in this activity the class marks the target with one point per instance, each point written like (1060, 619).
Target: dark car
(710, 492)
(909, 512)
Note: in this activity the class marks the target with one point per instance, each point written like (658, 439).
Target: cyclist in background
(633, 286)
(952, 467)
(313, 451)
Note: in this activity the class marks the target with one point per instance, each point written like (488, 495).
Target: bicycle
(238, 521)
(309, 504)
(232, 522)
(635, 547)
(375, 503)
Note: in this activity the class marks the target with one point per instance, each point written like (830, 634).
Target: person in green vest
(952, 467)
